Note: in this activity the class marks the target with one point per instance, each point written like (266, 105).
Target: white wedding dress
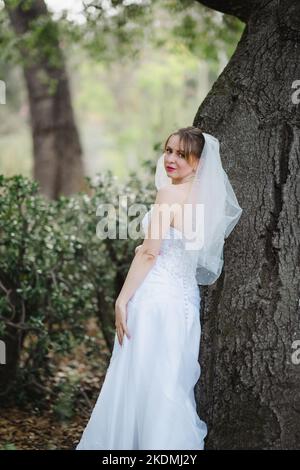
(147, 399)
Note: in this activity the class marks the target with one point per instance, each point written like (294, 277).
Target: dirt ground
(61, 421)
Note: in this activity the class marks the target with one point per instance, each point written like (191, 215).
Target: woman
(147, 399)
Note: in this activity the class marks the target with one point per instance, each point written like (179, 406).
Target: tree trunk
(57, 151)
(249, 391)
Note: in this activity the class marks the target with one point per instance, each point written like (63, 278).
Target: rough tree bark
(58, 163)
(249, 391)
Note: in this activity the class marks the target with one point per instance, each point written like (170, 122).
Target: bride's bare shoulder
(171, 193)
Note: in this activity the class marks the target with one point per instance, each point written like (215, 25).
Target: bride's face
(176, 165)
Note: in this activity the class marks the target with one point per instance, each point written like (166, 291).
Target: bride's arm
(137, 248)
(147, 253)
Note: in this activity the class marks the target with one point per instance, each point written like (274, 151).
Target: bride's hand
(120, 321)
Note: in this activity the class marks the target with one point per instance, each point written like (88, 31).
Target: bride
(147, 399)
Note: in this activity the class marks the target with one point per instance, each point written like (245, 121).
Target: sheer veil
(211, 210)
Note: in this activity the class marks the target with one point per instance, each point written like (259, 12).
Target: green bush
(55, 273)
(8, 446)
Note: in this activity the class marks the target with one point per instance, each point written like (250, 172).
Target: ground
(59, 423)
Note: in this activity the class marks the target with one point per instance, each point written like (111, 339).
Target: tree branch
(240, 8)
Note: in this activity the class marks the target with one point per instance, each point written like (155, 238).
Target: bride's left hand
(120, 321)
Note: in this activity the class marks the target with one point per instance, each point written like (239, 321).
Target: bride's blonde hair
(192, 140)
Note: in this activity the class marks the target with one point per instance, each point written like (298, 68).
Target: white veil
(211, 210)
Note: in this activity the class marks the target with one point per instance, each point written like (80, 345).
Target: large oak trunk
(249, 391)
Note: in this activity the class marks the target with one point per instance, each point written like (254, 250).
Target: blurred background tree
(136, 72)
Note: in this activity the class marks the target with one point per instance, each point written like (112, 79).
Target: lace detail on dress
(173, 256)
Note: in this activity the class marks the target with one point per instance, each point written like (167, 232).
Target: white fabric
(213, 210)
(147, 399)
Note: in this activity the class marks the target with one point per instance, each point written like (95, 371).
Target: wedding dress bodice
(174, 256)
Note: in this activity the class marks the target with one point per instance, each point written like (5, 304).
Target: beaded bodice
(173, 255)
